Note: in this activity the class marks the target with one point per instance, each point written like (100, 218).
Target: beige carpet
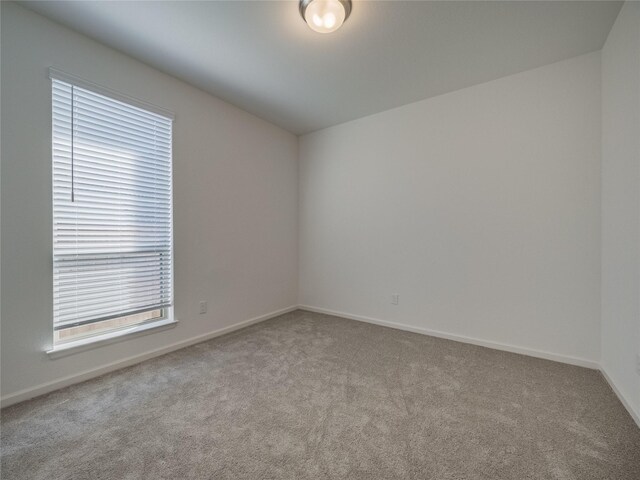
(308, 396)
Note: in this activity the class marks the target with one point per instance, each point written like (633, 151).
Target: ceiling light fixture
(325, 16)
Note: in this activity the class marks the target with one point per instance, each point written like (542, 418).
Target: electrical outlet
(203, 307)
(395, 299)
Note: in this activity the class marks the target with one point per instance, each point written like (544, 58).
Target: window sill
(77, 346)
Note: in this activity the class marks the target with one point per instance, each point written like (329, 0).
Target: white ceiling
(263, 58)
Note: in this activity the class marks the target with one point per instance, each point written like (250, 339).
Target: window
(112, 211)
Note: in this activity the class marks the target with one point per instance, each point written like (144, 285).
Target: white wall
(481, 208)
(621, 204)
(235, 190)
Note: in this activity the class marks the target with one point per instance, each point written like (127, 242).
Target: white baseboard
(126, 362)
(635, 415)
(581, 362)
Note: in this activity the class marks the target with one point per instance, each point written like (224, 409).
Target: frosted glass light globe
(324, 16)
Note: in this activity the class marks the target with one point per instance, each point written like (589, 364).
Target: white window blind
(112, 207)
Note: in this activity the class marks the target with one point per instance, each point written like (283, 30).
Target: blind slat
(112, 242)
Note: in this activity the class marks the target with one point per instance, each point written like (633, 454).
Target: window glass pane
(96, 328)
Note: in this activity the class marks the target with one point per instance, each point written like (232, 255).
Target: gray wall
(621, 205)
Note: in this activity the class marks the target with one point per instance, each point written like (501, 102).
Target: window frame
(166, 320)
(163, 316)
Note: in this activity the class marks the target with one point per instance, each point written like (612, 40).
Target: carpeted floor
(308, 396)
